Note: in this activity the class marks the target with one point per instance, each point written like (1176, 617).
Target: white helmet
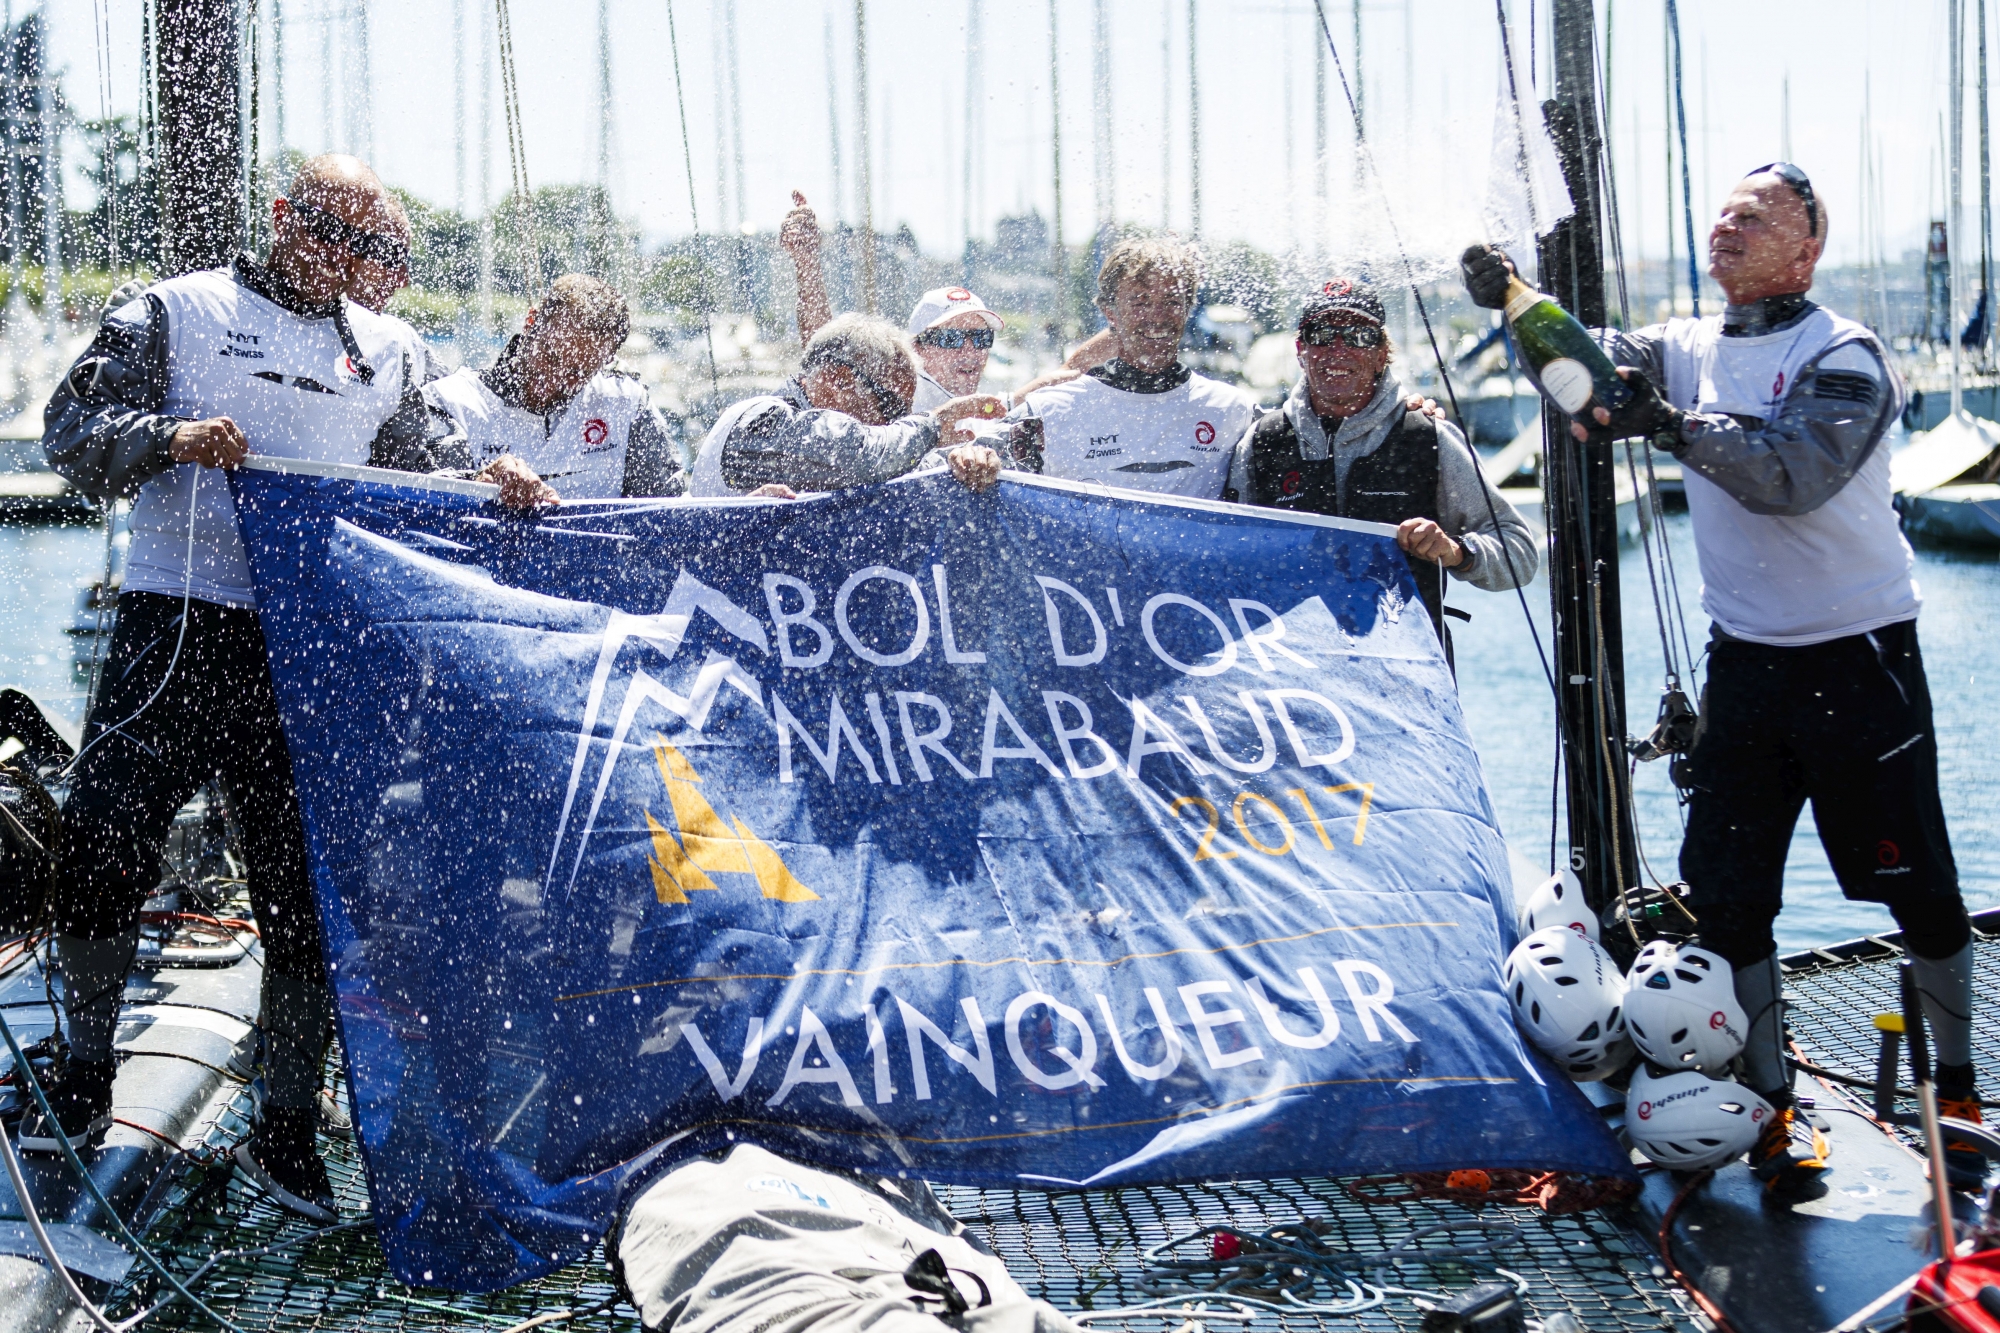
(1681, 1009)
(1558, 901)
(1568, 998)
(1688, 1121)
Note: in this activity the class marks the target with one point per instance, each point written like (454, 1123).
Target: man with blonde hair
(1142, 419)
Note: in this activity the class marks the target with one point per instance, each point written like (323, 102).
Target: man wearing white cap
(952, 329)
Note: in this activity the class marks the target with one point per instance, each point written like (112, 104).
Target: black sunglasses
(1361, 337)
(953, 339)
(322, 225)
(1800, 185)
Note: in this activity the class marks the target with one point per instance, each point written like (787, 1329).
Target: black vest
(1398, 480)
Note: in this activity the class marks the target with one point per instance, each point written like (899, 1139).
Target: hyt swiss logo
(1204, 433)
(595, 432)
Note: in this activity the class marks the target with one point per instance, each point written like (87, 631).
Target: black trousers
(216, 717)
(1845, 725)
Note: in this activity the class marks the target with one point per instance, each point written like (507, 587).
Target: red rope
(1708, 1307)
(1555, 1192)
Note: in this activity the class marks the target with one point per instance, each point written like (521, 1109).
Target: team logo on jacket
(595, 433)
(958, 294)
(1293, 483)
(1204, 433)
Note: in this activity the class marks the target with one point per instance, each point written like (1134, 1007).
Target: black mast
(201, 144)
(1581, 505)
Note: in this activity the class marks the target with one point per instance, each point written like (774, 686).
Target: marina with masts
(1321, 154)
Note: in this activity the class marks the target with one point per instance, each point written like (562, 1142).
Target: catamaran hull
(1954, 515)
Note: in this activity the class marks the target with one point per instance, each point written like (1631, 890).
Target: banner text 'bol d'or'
(1038, 837)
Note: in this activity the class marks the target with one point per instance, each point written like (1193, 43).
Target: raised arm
(799, 235)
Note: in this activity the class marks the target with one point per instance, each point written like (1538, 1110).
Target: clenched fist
(520, 487)
(216, 442)
(1427, 541)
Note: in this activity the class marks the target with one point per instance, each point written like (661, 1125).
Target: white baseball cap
(941, 303)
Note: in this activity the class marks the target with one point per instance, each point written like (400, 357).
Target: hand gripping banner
(1047, 837)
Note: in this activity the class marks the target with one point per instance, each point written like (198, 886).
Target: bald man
(1777, 409)
(271, 357)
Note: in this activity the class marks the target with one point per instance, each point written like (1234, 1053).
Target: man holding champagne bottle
(1777, 409)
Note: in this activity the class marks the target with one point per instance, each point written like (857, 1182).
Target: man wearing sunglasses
(845, 420)
(270, 357)
(1347, 442)
(553, 407)
(1777, 409)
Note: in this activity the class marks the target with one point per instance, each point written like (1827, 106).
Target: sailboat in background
(1947, 481)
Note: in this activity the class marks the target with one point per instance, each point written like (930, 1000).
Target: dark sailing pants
(217, 716)
(1845, 725)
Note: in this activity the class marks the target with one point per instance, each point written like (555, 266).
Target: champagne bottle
(1561, 355)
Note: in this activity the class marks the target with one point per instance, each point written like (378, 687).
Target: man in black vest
(1345, 444)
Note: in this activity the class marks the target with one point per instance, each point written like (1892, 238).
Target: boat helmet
(1687, 1121)
(1558, 901)
(1569, 1000)
(1681, 1008)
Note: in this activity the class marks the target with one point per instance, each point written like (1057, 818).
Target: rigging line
(1566, 465)
(694, 211)
(1652, 575)
(1687, 180)
(1416, 294)
(517, 153)
(250, 27)
(101, 35)
(25, 1074)
(1607, 177)
(1520, 127)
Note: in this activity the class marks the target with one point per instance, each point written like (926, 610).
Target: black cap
(1344, 296)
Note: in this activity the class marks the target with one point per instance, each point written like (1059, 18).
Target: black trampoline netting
(1084, 1252)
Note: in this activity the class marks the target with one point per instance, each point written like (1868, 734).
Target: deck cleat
(281, 1158)
(1790, 1153)
(81, 1100)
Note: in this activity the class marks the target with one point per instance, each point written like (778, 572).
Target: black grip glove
(1486, 269)
(1647, 414)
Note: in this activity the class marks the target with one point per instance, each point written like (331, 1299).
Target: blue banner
(1044, 837)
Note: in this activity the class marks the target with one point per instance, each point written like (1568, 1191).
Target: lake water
(44, 567)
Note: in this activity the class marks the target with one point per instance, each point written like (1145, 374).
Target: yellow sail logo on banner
(707, 846)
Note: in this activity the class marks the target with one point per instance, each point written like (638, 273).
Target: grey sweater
(1490, 536)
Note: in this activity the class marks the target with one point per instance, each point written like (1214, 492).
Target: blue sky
(1429, 105)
